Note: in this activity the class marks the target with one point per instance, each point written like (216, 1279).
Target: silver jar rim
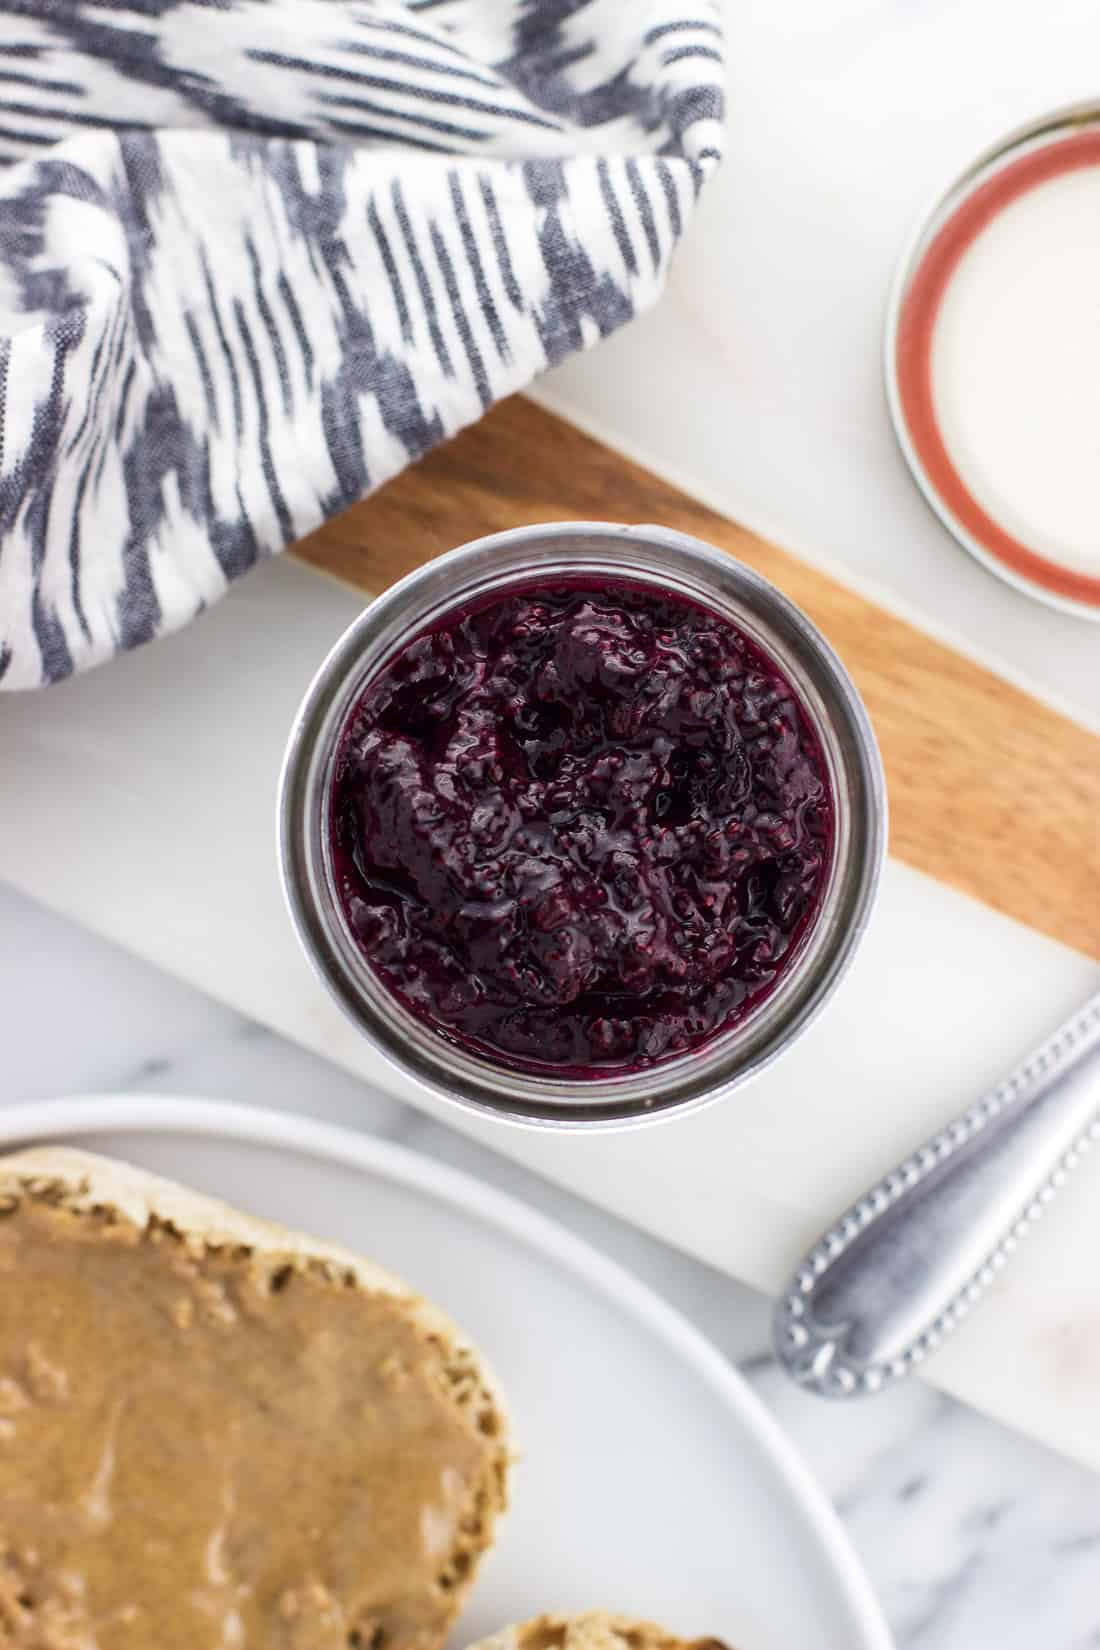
(672, 562)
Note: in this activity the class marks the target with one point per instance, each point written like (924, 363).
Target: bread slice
(595, 1630)
(216, 1434)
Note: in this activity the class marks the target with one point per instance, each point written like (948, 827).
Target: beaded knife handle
(883, 1287)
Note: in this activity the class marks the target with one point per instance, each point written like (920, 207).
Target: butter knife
(880, 1290)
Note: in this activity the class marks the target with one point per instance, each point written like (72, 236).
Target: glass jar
(670, 563)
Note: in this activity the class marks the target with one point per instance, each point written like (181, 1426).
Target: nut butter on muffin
(216, 1434)
(594, 1630)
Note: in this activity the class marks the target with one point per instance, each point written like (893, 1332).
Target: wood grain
(990, 791)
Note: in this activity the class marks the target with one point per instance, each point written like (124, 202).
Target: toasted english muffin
(594, 1630)
(216, 1434)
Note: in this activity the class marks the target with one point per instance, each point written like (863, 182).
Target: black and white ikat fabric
(257, 255)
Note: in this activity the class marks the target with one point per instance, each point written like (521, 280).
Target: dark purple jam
(580, 827)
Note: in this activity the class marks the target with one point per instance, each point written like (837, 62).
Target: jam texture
(580, 828)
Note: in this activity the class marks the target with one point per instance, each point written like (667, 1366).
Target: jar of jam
(581, 824)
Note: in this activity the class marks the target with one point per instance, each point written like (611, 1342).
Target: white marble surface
(974, 1538)
(756, 382)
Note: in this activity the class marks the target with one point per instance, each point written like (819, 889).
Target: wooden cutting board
(990, 791)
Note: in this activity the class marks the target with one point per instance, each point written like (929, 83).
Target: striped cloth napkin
(257, 255)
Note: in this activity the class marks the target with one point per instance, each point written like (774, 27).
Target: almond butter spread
(595, 1630)
(224, 1449)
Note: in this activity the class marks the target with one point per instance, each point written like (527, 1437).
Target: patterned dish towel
(257, 255)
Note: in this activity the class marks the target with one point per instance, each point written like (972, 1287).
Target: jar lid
(993, 359)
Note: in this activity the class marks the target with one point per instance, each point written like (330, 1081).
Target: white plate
(652, 1481)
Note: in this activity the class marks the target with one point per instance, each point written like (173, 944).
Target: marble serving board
(141, 801)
